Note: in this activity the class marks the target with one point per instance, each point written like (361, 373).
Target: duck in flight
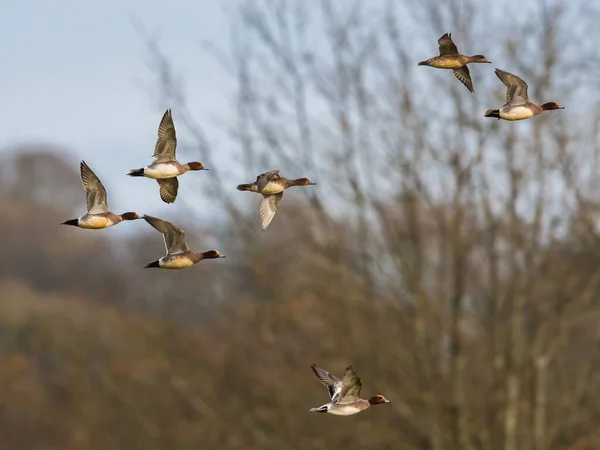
(449, 58)
(165, 169)
(344, 393)
(97, 216)
(271, 185)
(178, 256)
(517, 106)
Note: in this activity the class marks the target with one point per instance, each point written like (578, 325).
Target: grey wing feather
(174, 236)
(95, 195)
(264, 178)
(516, 88)
(464, 76)
(168, 188)
(166, 144)
(447, 46)
(351, 386)
(268, 208)
(333, 383)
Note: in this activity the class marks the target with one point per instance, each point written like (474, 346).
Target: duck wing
(95, 194)
(168, 188)
(268, 208)
(333, 383)
(516, 92)
(464, 76)
(173, 236)
(265, 178)
(446, 45)
(351, 386)
(166, 144)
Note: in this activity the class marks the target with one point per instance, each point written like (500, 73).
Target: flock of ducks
(517, 106)
(343, 392)
(165, 169)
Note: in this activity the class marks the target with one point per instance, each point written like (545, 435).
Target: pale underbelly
(516, 113)
(95, 222)
(341, 410)
(161, 171)
(272, 188)
(170, 262)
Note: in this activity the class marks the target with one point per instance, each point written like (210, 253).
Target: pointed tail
(136, 173)
(320, 409)
(245, 187)
(152, 264)
(73, 222)
(492, 113)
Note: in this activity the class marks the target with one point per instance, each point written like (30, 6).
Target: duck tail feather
(136, 172)
(152, 264)
(320, 409)
(244, 187)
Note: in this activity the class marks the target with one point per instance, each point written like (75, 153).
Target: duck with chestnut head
(97, 216)
(344, 393)
(178, 256)
(271, 185)
(165, 169)
(449, 58)
(517, 106)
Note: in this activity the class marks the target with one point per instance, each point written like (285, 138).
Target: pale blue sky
(75, 74)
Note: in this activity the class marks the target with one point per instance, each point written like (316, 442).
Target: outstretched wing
(516, 88)
(268, 208)
(95, 194)
(168, 189)
(166, 144)
(351, 386)
(173, 236)
(333, 383)
(464, 76)
(446, 45)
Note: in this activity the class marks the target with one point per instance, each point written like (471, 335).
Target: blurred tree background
(452, 259)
